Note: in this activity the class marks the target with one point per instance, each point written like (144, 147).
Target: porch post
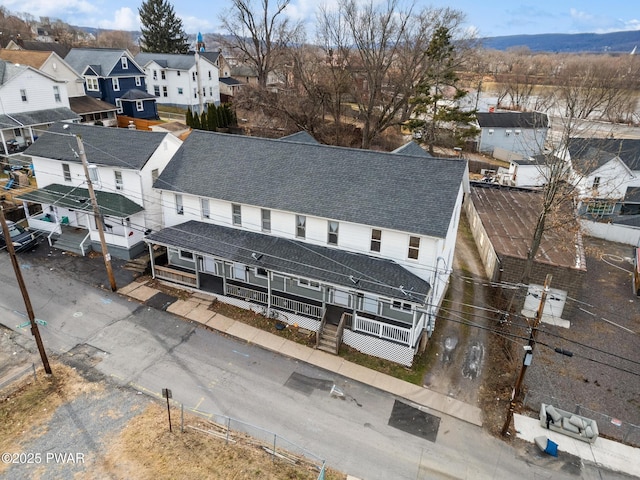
(224, 277)
(197, 263)
(269, 273)
(412, 337)
(153, 264)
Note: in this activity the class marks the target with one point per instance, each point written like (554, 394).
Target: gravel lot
(594, 378)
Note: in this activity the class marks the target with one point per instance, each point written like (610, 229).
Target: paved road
(363, 433)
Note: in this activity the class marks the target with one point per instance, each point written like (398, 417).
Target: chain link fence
(608, 426)
(232, 430)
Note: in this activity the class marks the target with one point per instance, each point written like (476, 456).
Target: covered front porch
(67, 216)
(370, 315)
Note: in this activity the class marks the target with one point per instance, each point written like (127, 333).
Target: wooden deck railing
(178, 276)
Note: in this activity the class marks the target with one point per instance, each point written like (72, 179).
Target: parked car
(21, 238)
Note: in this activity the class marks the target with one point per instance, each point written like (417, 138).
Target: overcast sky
(487, 17)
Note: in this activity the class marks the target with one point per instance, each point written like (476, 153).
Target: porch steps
(328, 341)
(71, 244)
(140, 264)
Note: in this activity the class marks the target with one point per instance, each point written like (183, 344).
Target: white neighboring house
(356, 245)
(522, 133)
(181, 80)
(89, 109)
(606, 172)
(30, 101)
(124, 164)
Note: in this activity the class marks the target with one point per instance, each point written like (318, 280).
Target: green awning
(76, 198)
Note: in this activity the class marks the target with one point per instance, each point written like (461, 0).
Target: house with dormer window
(352, 244)
(123, 164)
(109, 74)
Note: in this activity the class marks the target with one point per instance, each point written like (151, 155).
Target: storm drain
(416, 422)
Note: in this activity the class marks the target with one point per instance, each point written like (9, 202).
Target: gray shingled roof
(513, 119)
(38, 117)
(136, 94)
(632, 195)
(588, 154)
(87, 104)
(399, 192)
(101, 59)
(334, 266)
(412, 148)
(174, 61)
(230, 81)
(301, 137)
(66, 196)
(118, 147)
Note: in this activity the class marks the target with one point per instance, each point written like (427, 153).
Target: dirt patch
(74, 428)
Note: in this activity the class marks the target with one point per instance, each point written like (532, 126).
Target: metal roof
(76, 198)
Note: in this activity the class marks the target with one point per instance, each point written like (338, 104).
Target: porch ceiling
(76, 198)
(328, 265)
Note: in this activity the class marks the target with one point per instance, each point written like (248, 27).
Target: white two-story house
(356, 242)
(606, 173)
(30, 101)
(181, 80)
(123, 164)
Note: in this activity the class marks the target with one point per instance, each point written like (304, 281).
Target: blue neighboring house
(112, 75)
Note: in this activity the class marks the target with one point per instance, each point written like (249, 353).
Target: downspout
(433, 309)
(153, 264)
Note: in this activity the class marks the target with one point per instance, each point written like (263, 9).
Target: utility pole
(515, 394)
(96, 213)
(25, 295)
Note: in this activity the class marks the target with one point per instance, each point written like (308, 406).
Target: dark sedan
(21, 238)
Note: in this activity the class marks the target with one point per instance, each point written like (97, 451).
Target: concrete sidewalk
(606, 453)
(196, 309)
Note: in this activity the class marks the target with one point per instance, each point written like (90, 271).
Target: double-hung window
(266, 220)
(414, 247)
(301, 226)
(376, 239)
(66, 172)
(56, 94)
(179, 205)
(236, 214)
(115, 83)
(332, 233)
(204, 208)
(118, 177)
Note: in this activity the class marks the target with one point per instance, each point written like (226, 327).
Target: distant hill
(617, 42)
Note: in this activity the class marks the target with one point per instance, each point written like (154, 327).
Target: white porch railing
(382, 330)
(246, 293)
(296, 307)
(276, 301)
(84, 240)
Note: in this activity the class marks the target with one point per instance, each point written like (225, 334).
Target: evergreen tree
(162, 30)
(212, 117)
(204, 122)
(437, 97)
(196, 122)
(189, 117)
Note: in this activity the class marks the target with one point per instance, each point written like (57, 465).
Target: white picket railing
(382, 330)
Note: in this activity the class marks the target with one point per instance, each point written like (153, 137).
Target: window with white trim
(376, 239)
(180, 91)
(260, 272)
(56, 94)
(138, 81)
(23, 94)
(402, 306)
(179, 205)
(414, 247)
(310, 284)
(66, 172)
(156, 90)
(301, 226)
(118, 177)
(165, 91)
(163, 75)
(139, 105)
(124, 62)
(115, 83)
(119, 105)
(596, 183)
(332, 232)
(204, 208)
(92, 84)
(602, 207)
(185, 255)
(236, 214)
(266, 219)
(155, 74)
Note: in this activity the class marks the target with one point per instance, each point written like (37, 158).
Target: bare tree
(116, 39)
(383, 49)
(261, 35)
